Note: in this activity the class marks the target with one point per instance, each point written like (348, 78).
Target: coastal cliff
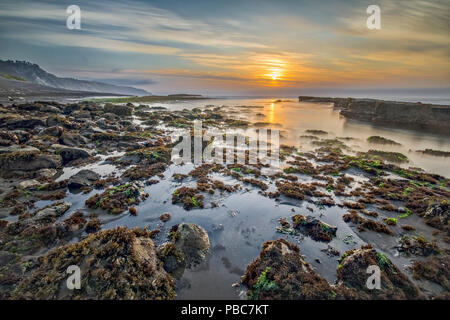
(408, 114)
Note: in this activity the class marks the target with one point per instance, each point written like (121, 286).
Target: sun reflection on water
(271, 112)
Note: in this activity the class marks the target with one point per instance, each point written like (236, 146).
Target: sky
(235, 47)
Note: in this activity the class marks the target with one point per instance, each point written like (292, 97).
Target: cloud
(272, 44)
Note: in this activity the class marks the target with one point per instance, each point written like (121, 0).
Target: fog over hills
(24, 71)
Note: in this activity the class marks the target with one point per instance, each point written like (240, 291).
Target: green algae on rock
(281, 273)
(381, 140)
(314, 228)
(352, 277)
(117, 199)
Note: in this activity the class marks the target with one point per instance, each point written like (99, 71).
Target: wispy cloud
(269, 45)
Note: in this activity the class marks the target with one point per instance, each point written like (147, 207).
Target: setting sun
(274, 74)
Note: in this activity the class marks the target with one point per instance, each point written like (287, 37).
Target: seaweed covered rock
(352, 277)
(280, 273)
(26, 159)
(193, 241)
(72, 139)
(46, 215)
(120, 110)
(71, 153)
(365, 224)
(435, 269)
(115, 264)
(83, 178)
(189, 197)
(437, 215)
(144, 170)
(117, 199)
(417, 245)
(51, 212)
(40, 230)
(314, 228)
(172, 258)
(188, 246)
(19, 122)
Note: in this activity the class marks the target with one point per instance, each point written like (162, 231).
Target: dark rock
(437, 215)
(164, 217)
(82, 179)
(24, 123)
(71, 153)
(54, 131)
(27, 159)
(172, 258)
(193, 241)
(415, 115)
(72, 139)
(119, 110)
(110, 117)
(51, 212)
(8, 138)
(314, 228)
(81, 114)
(7, 257)
(56, 121)
(409, 114)
(23, 136)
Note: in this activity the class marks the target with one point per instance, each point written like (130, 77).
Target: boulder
(110, 117)
(83, 178)
(54, 131)
(193, 241)
(28, 184)
(437, 215)
(49, 109)
(188, 247)
(81, 114)
(27, 159)
(314, 228)
(40, 217)
(17, 148)
(50, 212)
(57, 120)
(71, 153)
(172, 258)
(46, 173)
(72, 139)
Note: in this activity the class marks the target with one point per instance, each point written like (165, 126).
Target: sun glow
(273, 68)
(274, 73)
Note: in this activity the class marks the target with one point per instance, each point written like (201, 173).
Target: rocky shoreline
(407, 114)
(42, 142)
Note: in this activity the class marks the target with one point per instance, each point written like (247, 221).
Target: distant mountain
(30, 72)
